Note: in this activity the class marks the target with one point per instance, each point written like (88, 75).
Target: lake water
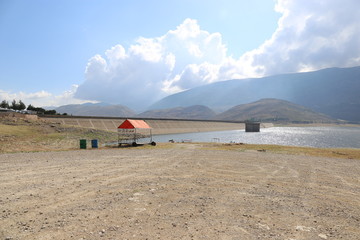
(320, 137)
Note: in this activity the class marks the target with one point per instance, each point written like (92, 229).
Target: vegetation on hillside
(14, 105)
(20, 106)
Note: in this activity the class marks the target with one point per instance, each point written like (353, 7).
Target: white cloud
(43, 98)
(311, 35)
(27, 98)
(154, 67)
(149, 50)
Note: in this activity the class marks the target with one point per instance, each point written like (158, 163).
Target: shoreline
(25, 135)
(317, 125)
(315, 136)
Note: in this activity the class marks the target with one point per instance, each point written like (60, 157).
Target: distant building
(18, 111)
(6, 110)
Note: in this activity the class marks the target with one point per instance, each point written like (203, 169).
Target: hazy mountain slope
(333, 91)
(192, 112)
(89, 109)
(273, 110)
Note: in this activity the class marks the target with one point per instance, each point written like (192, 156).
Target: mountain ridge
(191, 112)
(331, 91)
(96, 110)
(264, 110)
(273, 110)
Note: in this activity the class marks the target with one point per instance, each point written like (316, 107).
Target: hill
(192, 112)
(333, 91)
(89, 109)
(273, 110)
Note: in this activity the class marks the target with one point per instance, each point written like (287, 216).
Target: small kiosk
(134, 132)
(252, 127)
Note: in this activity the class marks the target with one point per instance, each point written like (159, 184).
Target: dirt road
(179, 191)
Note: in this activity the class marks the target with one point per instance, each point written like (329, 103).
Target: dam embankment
(159, 126)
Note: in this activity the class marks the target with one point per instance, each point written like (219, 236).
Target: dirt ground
(177, 191)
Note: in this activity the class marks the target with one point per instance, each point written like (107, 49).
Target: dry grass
(15, 130)
(28, 136)
(346, 153)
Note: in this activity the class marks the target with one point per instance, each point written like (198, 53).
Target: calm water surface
(320, 137)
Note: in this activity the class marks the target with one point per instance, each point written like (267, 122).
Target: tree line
(20, 106)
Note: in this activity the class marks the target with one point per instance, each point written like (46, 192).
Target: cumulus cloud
(311, 35)
(154, 67)
(43, 98)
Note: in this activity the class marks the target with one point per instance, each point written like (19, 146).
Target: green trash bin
(82, 143)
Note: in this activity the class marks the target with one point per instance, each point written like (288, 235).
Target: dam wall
(159, 126)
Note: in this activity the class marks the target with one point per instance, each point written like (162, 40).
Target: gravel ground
(178, 191)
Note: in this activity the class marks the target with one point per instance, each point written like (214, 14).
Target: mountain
(333, 91)
(90, 109)
(273, 110)
(192, 112)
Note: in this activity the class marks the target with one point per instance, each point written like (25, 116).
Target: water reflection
(322, 137)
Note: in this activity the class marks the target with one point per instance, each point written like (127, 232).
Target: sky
(134, 53)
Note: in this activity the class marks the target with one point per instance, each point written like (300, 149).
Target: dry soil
(177, 191)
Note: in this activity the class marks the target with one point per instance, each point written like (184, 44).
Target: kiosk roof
(130, 124)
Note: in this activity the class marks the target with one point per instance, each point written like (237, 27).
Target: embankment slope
(160, 126)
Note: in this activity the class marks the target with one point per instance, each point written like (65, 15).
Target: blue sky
(73, 51)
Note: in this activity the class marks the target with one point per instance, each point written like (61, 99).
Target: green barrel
(82, 143)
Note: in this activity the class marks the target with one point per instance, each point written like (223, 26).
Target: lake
(319, 137)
